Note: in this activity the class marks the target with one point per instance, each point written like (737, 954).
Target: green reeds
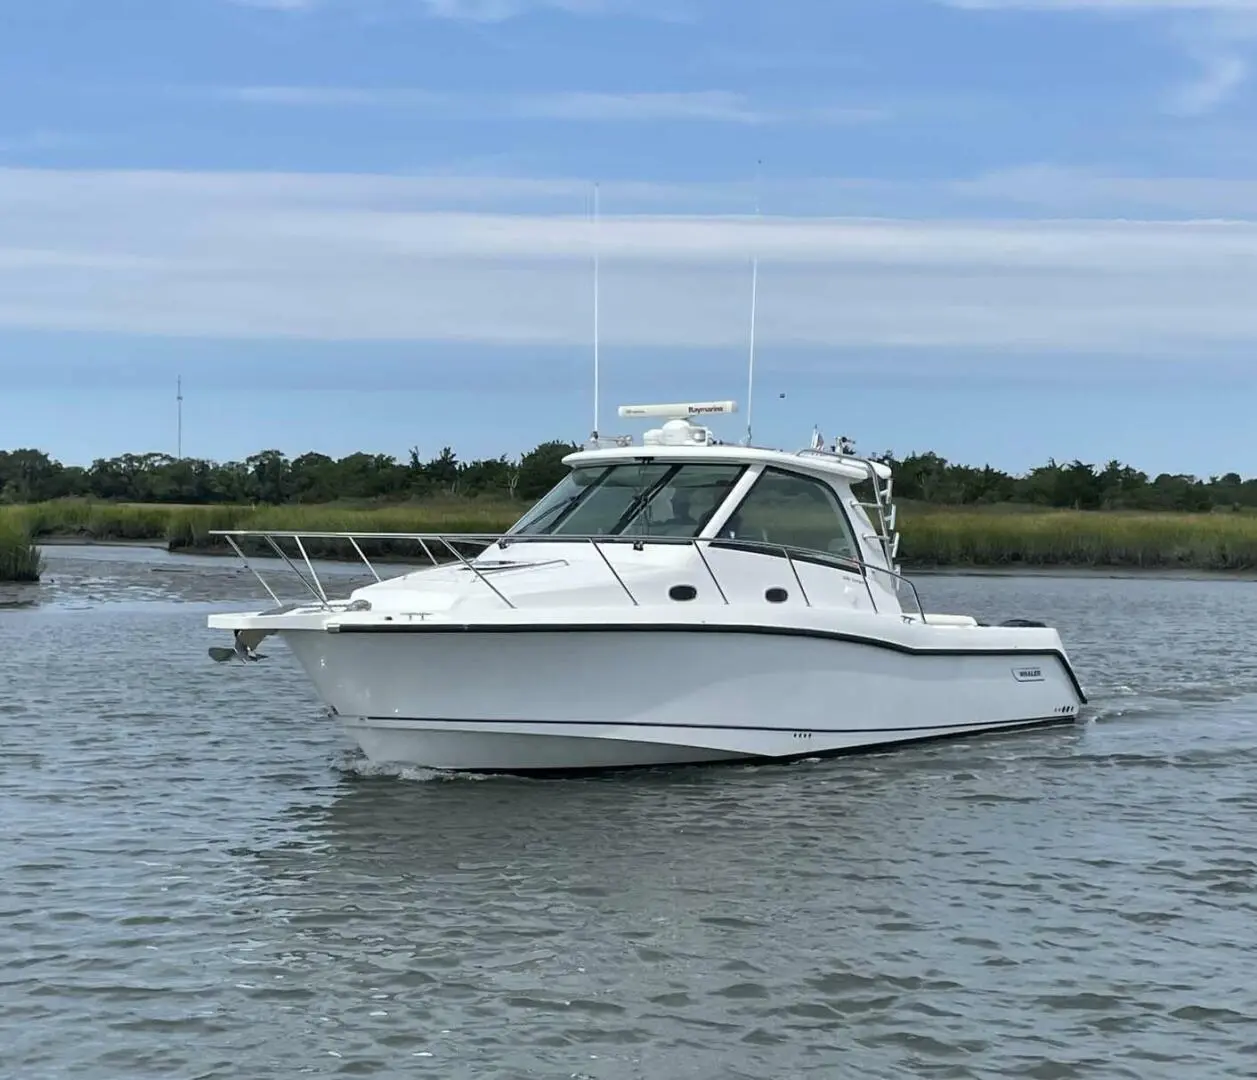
(1067, 538)
(187, 528)
(20, 559)
(932, 537)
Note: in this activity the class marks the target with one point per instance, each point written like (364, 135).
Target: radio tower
(179, 407)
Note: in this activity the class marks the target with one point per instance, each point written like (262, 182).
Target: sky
(1002, 230)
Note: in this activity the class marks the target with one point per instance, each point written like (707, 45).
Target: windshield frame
(637, 509)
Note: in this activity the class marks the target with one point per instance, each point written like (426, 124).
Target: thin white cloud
(1214, 34)
(1106, 5)
(1220, 76)
(36, 142)
(22, 259)
(333, 96)
(1220, 46)
(1064, 190)
(367, 257)
(710, 106)
(716, 105)
(490, 11)
(486, 11)
(278, 5)
(501, 10)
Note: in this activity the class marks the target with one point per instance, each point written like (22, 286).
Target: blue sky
(1000, 229)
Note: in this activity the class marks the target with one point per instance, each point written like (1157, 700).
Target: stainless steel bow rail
(448, 542)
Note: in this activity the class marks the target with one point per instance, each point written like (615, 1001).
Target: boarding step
(888, 516)
(891, 543)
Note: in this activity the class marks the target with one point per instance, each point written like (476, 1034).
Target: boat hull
(554, 699)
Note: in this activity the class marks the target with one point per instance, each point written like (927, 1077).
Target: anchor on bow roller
(246, 643)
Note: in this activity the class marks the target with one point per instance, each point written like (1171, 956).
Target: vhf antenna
(596, 261)
(179, 410)
(750, 376)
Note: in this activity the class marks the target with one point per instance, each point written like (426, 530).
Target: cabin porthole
(776, 595)
(682, 592)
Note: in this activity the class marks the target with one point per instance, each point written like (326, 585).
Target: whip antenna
(596, 268)
(750, 375)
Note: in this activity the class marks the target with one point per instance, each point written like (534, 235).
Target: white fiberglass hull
(539, 699)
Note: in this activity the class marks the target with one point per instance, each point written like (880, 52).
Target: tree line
(272, 477)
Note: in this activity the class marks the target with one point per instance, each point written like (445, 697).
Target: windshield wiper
(557, 509)
(641, 499)
(560, 510)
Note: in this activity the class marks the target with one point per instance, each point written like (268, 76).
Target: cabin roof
(813, 462)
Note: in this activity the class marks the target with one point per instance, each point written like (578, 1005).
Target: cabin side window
(795, 511)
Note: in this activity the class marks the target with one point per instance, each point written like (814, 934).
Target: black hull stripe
(979, 725)
(707, 628)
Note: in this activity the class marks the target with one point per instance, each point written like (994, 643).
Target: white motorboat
(672, 601)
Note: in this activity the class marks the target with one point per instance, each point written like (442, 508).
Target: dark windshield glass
(634, 499)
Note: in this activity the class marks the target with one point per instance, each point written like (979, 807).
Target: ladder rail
(886, 533)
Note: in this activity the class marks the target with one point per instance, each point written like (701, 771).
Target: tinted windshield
(635, 499)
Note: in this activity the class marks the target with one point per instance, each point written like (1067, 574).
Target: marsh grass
(1167, 541)
(20, 559)
(932, 537)
(187, 528)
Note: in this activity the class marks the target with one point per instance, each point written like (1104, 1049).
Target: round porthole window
(776, 595)
(682, 592)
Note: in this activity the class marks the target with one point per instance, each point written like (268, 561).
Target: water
(198, 879)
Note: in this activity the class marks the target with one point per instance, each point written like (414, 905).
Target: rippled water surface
(199, 879)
